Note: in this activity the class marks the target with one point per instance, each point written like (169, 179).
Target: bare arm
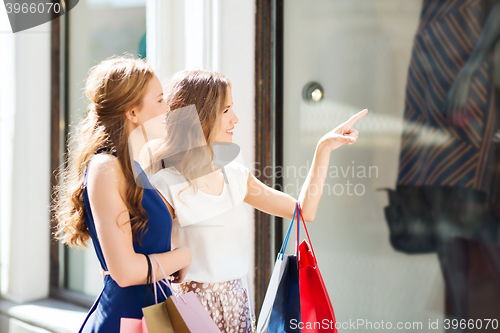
(269, 200)
(111, 218)
(312, 189)
(281, 204)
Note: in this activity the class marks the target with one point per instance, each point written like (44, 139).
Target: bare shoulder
(104, 171)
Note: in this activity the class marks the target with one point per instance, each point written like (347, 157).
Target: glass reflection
(444, 199)
(428, 249)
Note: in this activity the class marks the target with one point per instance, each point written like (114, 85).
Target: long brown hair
(207, 91)
(113, 86)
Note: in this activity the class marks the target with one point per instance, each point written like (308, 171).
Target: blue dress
(115, 302)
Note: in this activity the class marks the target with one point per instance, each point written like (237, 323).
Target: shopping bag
(132, 325)
(315, 305)
(187, 310)
(285, 313)
(178, 323)
(186, 313)
(274, 282)
(156, 316)
(157, 319)
(272, 289)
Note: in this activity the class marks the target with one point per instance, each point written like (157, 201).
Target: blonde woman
(100, 199)
(209, 217)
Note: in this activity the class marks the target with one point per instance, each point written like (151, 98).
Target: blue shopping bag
(285, 314)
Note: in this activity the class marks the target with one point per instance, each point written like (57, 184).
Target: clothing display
(445, 184)
(432, 151)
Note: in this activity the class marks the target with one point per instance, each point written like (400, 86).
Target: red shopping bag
(316, 309)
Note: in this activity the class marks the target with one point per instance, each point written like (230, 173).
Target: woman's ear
(131, 115)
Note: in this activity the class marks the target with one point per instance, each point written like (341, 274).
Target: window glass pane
(398, 59)
(98, 29)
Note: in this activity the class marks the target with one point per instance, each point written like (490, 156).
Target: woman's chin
(226, 138)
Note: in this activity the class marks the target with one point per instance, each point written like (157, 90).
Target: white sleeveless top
(217, 233)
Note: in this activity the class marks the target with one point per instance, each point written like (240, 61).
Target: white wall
(237, 61)
(209, 34)
(25, 161)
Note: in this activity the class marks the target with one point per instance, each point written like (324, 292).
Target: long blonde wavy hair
(207, 91)
(113, 86)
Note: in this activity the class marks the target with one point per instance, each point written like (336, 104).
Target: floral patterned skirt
(226, 302)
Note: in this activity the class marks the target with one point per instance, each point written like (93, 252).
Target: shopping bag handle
(285, 242)
(305, 228)
(153, 278)
(148, 281)
(165, 280)
(298, 231)
(297, 213)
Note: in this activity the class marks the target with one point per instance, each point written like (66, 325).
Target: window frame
(268, 133)
(59, 141)
(268, 140)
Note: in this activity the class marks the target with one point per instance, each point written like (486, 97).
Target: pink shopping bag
(186, 311)
(132, 325)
